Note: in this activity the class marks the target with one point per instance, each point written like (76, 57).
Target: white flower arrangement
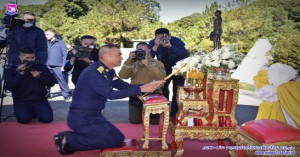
(193, 62)
(226, 57)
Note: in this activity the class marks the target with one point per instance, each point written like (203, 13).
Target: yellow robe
(288, 96)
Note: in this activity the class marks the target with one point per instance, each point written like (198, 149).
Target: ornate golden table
(218, 114)
(156, 108)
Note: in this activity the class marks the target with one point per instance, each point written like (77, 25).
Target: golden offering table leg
(146, 122)
(156, 109)
(165, 128)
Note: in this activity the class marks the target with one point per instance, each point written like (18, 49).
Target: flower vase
(220, 73)
(210, 73)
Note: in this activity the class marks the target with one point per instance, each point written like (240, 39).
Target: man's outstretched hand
(152, 86)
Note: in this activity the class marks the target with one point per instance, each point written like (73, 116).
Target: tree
(287, 51)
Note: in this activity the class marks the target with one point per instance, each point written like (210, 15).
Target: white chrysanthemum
(231, 64)
(208, 62)
(215, 57)
(216, 63)
(199, 66)
(216, 52)
(226, 55)
(224, 62)
(198, 57)
(194, 61)
(226, 49)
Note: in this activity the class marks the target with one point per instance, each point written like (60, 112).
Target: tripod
(3, 94)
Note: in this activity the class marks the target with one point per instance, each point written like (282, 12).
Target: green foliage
(75, 8)
(287, 51)
(121, 21)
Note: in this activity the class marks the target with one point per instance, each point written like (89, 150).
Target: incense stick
(141, 97)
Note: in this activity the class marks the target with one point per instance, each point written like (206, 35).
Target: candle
(187, 70)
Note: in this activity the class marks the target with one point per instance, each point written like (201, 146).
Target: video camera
(29, 66)
(11, 22)
(81, 52)
(139, 54)
(164, 39)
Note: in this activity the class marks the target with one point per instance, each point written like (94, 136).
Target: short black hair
(142, 43)
(26, 50)
(87, 37)
(162, 31)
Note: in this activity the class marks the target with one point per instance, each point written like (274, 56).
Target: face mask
(49, 35)
(27, 25)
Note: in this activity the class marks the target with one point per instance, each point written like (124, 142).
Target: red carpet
(36, 140)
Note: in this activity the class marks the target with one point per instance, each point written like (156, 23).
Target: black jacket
(25, 87)
(79, 65)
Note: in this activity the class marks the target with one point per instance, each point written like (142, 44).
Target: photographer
(23, 34)
(169, 50)
(141, 68)
(82, 56)
(57, 54)
(27, 83)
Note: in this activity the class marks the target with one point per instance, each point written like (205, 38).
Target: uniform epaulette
(101, 69)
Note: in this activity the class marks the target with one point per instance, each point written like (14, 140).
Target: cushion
(270, 131)
(155, 98)
(128, 145)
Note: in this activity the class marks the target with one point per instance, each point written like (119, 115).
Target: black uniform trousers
(25, 111)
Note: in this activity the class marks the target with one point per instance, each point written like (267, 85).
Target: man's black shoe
(62, 144)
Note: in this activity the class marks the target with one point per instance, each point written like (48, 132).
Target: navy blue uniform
(91, 129)
(29, 93)
(32, 37)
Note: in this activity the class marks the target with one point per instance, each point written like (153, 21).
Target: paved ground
(117, 111)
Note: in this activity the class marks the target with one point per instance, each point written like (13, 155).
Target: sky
(171, 10)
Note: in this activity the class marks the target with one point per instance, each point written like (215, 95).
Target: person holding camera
(27, 82)
(141, 68)
(169, 50)
(21, 35)
(81, 57)
(57, 54)
(96, 84)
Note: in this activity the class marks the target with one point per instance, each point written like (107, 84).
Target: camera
(164, 39)
(81, 52)
(139, 54)
(29, 66)
(11, 22)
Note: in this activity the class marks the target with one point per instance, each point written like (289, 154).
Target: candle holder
(193, 87)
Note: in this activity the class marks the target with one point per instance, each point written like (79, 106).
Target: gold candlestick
(187, 70)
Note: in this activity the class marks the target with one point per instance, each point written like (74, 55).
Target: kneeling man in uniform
(96, 84)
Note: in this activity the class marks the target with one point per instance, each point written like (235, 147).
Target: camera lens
(140, 54)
